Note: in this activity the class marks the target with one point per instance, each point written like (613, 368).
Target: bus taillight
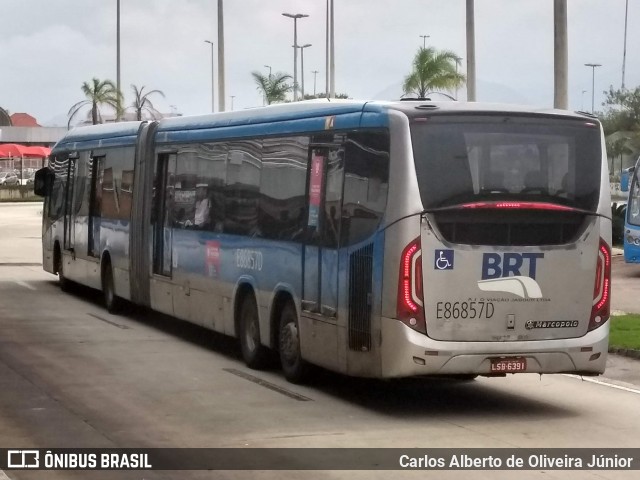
(602, 287)
(410, 304)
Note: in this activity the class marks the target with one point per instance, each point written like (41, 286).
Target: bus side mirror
(42, 181)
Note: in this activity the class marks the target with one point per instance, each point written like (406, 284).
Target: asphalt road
(72, 375)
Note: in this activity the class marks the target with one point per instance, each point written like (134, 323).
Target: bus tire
(112, 302)
(254, 354)
(295, 369)
(464, 377)
(59, 268)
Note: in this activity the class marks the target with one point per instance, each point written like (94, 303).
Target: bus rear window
(466, 159)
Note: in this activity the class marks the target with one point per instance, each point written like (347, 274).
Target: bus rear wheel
(112, 302)
(295, 369)
(254, 354)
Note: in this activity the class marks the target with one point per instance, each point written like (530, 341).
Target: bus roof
(269, 114)
(120, 133)
(412, 107)
(308, 115)
(323, 107)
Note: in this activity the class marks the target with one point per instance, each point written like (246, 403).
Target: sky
(48, 48)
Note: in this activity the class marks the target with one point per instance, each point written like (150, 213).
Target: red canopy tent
(17, 153)
(8, 150)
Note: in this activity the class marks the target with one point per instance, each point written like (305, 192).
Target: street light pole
(118, 60)
(332, 48)
(424, 40)
(624, 51)
(471, 52)
(315, 74)
(213, 90)
(295, 17)
(221, 82)
(560, 55)
(327, 67)
(302, 65)
(269, 67)
(593, 81)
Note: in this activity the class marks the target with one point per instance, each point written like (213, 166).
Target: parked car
(8, 178)
(29, 181)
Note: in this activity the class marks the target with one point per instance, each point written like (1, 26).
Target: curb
(625, 352)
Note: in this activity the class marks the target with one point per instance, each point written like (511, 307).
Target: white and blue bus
(631, 232)
(376, 239)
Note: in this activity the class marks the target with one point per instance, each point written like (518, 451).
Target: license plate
(508, 365)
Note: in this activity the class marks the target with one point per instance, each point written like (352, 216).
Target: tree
(142, 103)
(5, 118)
(621, 122)
(433, 70)
(274, 88)
(617, 146)
(622, 110)
(324, 95)
(98, 93)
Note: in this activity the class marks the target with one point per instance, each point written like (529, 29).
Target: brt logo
(496, 265)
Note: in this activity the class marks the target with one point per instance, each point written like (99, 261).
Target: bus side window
(365, 185)
(282, 187)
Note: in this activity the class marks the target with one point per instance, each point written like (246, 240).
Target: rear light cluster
(602, 287)
(519, 206)
(410, 297)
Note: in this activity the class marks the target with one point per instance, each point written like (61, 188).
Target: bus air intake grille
(360, 291)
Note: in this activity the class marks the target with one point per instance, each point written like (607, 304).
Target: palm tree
(274, 88)
(142, 102)
(97, 93)
(433, 70)
(618, 145)
(5, 118)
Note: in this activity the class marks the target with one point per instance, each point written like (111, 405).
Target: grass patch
(625, 332)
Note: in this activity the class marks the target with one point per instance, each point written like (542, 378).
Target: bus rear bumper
(406, 352)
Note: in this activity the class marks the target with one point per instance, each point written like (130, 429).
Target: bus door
(320, 278)
(69, 207)
(95, 205)
(163, 198)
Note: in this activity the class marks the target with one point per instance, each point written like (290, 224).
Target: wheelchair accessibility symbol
(443, 260)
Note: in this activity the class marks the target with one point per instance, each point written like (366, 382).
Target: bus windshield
(466, 159)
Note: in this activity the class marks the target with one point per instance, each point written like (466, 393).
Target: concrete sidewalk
(20, 232)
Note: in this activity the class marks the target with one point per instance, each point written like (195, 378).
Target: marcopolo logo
(512, 273)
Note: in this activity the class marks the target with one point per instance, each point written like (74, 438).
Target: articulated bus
(375, 239)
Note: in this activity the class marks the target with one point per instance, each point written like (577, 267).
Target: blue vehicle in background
(631, 232)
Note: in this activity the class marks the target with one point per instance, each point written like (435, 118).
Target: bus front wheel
(294, 367)
(62, 280)
(255, 354)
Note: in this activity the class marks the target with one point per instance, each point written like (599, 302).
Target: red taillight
(518, 206)
(602, 287)
(410, 303)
